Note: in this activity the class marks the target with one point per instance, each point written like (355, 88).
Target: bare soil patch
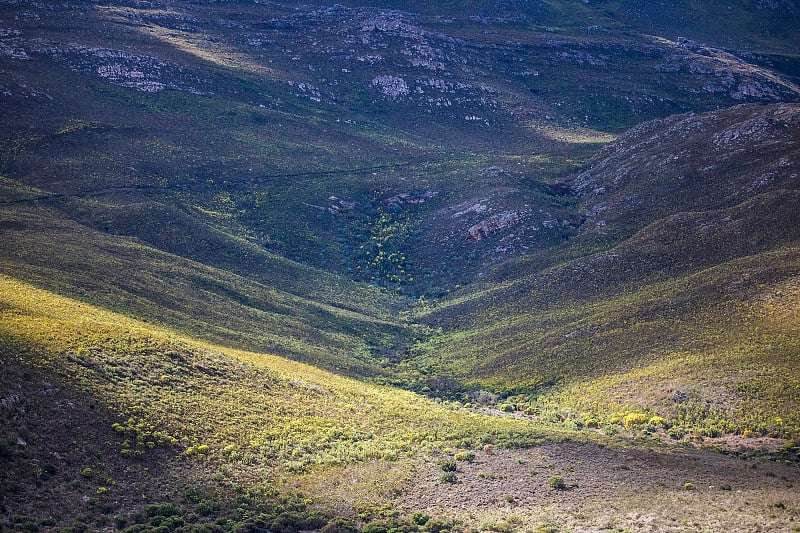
(610, 489)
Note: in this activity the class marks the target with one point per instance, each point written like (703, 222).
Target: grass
(217, 277)
(269, 409)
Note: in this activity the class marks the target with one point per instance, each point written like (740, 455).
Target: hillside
(399, 266)
(686, 263)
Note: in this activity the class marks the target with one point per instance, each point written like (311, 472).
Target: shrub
(375, 527)
(688, 485)
(557, 483)
(162, 509)
(440, 525)
(420, 518)
(449, 477)
(676, 433)
(120, 521)
(6, 450)
(447, 466)
(657, 421)
(339, 525)
(465, 456)
(634, 419)
(506, 407)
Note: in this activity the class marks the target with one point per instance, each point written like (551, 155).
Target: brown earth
(610, 489)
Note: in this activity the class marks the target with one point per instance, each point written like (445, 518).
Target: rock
(494, 224)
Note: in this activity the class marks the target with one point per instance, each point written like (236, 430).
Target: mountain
(399, 266)
(686, 260)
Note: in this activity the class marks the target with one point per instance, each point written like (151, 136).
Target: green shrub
(449, 477)
(688, 485)
(468, 456)
(120, 521)
(676, 432)
(162, 509)
(441, 525)
(506, 407)
(557, 483)
(339, 525)
(375, 527)
(6, 450)
(420, 518)
(447, 466)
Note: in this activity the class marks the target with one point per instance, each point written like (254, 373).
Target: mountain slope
(329, 134)
(689, 284)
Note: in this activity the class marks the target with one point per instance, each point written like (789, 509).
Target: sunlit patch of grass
(226, 405)
(198, 46)
(575, 135)
(689, 350)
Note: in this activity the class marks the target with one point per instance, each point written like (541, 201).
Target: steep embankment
(681, 297)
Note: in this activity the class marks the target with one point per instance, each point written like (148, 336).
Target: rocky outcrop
(493, 224)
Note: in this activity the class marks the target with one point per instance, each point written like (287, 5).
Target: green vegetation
(557, 483)
(261, 263)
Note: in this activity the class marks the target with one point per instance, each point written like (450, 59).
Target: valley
(399, 266)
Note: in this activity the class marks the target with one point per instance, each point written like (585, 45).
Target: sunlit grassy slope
(678, 297)
(269, 407)
(127, 415)
(169, 390)
(294, 310)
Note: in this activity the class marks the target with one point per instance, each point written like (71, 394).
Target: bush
(375, 527)
(447, 466)
(634, 419)
(465, 456)
(449, 477)
(6, 450)
(506, 408)
(162, 509)
(557, 483)
(339, 525)
(420, 518)
(120, 521)
(676, 433)
(441, 525)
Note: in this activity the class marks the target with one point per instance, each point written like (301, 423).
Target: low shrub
(557, 483)
(449, 477)
(465, 456)
(634, 419)
(447, 465)
(420, 518)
